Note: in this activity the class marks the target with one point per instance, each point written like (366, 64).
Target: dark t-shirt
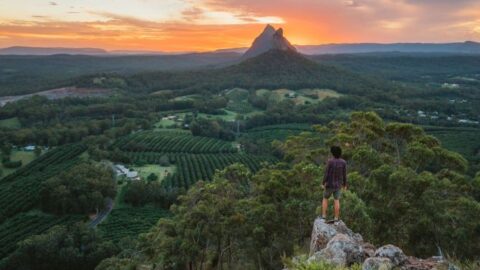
(335, 173)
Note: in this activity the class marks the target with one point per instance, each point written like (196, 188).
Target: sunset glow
(201, 25)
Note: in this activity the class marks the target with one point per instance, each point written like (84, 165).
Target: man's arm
(325, 175)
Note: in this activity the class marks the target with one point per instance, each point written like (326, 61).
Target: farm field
(191, 168)
(275, 132)
(21, 226)
(299, 97)
(160, 171)
(20, 190)
(10, 123)
(130, 221)
(171, 142)
(24, 156)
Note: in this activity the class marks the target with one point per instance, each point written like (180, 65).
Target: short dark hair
(336, 151)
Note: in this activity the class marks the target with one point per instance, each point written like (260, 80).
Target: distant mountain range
(17, 50)
(467, 47)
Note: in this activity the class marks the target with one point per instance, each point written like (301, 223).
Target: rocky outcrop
(269, 39)
(338, 245)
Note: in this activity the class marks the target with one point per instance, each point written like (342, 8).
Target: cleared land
(25, 156)
(299, 97)
(160, 171)
(60, 93)
(10, 123)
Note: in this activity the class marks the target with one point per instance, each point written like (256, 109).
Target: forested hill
(273, 69)
(25, 74)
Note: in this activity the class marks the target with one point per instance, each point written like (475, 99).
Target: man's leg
(324, 208)
(336, 205)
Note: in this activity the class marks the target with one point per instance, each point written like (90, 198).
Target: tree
(74, 247)
(152, 177)
(37, 151)
(82, 189)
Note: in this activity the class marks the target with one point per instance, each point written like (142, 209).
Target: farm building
(121, 170)
(29, 148)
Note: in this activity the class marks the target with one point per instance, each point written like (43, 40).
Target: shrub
(12, 164)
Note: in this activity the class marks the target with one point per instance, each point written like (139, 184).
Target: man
(334, 180)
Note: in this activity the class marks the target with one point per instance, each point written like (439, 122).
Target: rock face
(376, 263)
(395, 254)
(338, 245)
(269, 39)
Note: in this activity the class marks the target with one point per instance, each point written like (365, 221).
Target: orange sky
(201, 25)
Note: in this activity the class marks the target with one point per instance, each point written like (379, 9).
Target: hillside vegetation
(404, 189)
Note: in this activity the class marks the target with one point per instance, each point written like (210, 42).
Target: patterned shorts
(329, 191)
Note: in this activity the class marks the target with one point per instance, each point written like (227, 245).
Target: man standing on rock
(334, 180)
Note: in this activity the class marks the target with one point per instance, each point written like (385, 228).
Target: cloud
(352, 3)
(51, 3)
(194, 13)
(211, 24)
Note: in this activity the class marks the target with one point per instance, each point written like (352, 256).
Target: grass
(301, 96)
(146, 170)
(25, 156)
(164, 123)
(10, 123)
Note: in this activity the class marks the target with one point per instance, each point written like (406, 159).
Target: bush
(301, 263)
(82, 189)
(12, 164)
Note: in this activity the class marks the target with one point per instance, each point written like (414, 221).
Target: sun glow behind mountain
(201, 25)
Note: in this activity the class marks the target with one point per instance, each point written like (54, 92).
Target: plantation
(275, 132)
(194, 167)
(21, 226)
(17, 155)
(172, 142)
(130, 222)
(465, 141)
(20, 190)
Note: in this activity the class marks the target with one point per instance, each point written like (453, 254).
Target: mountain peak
(269, 29)
(269, 39)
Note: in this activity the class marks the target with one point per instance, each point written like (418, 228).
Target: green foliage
(140, 193)
(82, 189)
(152, 177)
(193, 167)
(23, 225)
(238, 220)
(212, 128)
(76, 246)
(129, 222)
(20, 191)
(167, 142)
(409, 185)
(11, 164)
(301, 263)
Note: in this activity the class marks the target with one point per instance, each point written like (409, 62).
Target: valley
(199, 153)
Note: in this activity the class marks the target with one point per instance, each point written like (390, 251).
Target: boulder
(341, 250)
(395, 254)
(377, 263)
(321, 235)
(323, 232)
